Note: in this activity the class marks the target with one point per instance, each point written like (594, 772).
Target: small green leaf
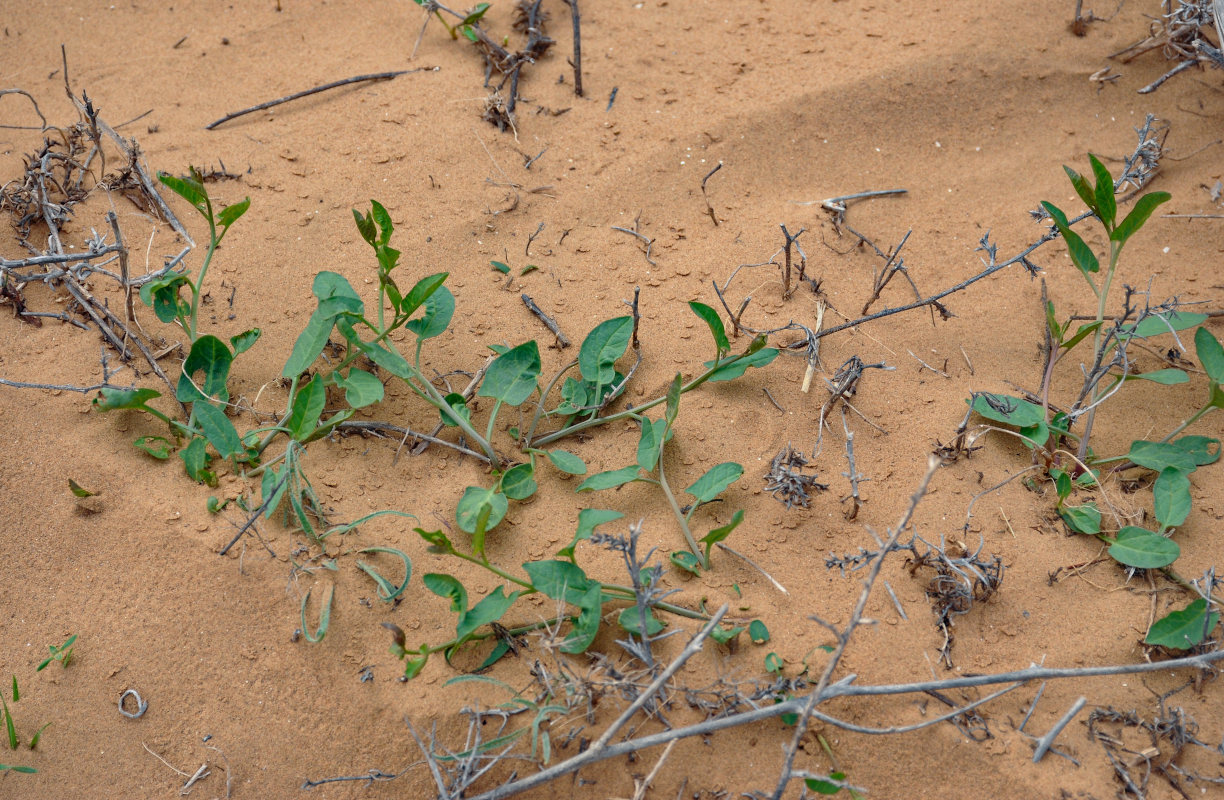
(1081, 333)
(724, 635)
(439, 309)
(457, 403)
(732, 369)
(674, 390)
(1081, 254)
(1171, 497)
(15, 768)
(111, 399)
(307, 408)
(1007, 409)
(272, 489)
(196, 460)
(513, 376)
(757, 632)
(438, 543)
(630, 619)
(474, 499)
(76, 489)
(1081, 187)
(1163, 322)
(501, 267)
(602, 347)
(567, 462)
(1106, 206)
(245, 340)
(1200, 449)
(189, 188)
(490, 609)
(610, 479)
(1210, 354)
(324, 616)
(230, 214)
(559, 580)
(1165, 377)
(718, 534)
(518, 482)
(773, 663)
(218, 429)
(422, 291)
(715, 481)
(365, 223)
(163, 295)
(650, 443)
(361, 388)
(1062, 483)
(1138, 215)
(386, 227)
(1082, 519)
(684, 560)
(205, 371)
(1183, 629)
(389, 360)
(588, 520)
(156, 446)
(526, 269)
(1143, 549)
(586, 625)
(825, 787)
(721, 343)
(413, 666)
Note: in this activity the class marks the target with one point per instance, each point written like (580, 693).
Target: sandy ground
(970, 107)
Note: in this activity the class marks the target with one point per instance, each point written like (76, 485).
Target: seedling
(62, 654)
(1051, 434)
(10, 728)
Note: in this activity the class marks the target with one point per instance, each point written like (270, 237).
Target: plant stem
(1102, 297)
(1193, 419)
(671, 499)
(213, 241)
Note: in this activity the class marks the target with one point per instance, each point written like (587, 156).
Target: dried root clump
(787, 482)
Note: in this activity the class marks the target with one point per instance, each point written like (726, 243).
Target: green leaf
(721, 343)
(602, 347)
(324, 616)
(724, 635)
(447, 587)
(1138, 215)
(567, 462)
(718, 534)
(477, 13)
(457, 403)
(528, 268)
(1007, 409)
(190, 189)
(365, 224)
(518, 482)
(1144, 549)
(674, 391)
(1106, 206)
(163, 295)
(474, 499)
(245, 340)
(650, 443)
(1210, 354)
(732, 369)
(1199, 448)
(389, 360)
(385, 227)
(386, 591)
(196, 460)
(714, 482)
(413, 666)
(588, 520)
(15, 768)
(773, 663)
(210, 356)
(307, 408)
(501, 267)
(490, 609)
(438, 543)
(1081, 187)
(1081, 333)
(513, 376)
(757, 632)
(576, 396)
(422, 291)
(218, 429)
(1165, 377)
(1171, 497)
(230, 214)
(1159, 456)
(560, 580)
(1062, 483)
(610, 479)
(684, 560)
(1163, 322)
(357, 523)
(111, 399)
(825, 787)
(361, 389)
(586, 625)
(439, 309)
(10, 729)
(309, 344)
(630, 619)
(330, 424)
(38, 735)
(1081, 254)
(77, 489)
(1183, 629)
(1082, 519)
(156, 446)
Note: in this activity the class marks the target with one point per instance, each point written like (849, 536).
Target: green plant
(10, 729)
(62, 654)
(1066, 455)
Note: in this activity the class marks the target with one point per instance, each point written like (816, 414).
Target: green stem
(492, 420)
(213, 241)
(1102, 298)
(671, 499)
(535, 421)
(1193, 419)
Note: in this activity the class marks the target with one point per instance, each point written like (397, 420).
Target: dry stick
(78, 292)
(1044, 743)
(706, 197)
(755, 566)
(576, 63)
(814, 349)
(30, 97)
(548, 321)
(648, 242)
(1156, 84)
(844, 636)
(601, 749)
(123, 265)
(786, 270)
(376, 76)
(644, 786)
(408, 432)
(532, 237)
(423, 444)
(854, 477)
